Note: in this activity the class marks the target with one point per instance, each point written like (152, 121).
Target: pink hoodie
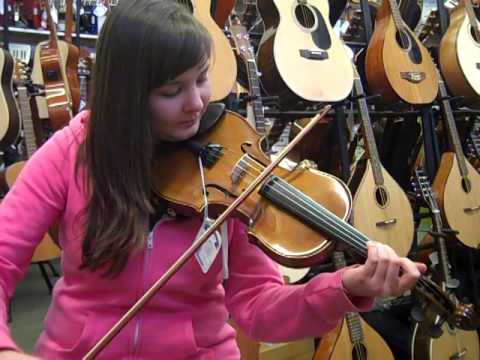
(187, 318)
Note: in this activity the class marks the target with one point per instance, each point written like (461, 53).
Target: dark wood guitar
(9, 112)
(54, 74)
(380, 207)
(353, 339)
(457, 183)
(222, 11)
(397, 64)
(300, 57)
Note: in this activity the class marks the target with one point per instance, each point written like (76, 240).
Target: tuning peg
(418, 313)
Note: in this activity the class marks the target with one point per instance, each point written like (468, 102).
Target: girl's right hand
(15, 355)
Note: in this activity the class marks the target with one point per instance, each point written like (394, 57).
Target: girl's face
(178, 106)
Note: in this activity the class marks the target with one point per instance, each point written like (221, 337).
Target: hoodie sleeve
(30, 207)
(268, 310)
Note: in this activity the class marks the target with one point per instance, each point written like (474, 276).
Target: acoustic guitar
(300, 57)
(457, 183)
(46, 249)
(380, 207)
(52, 59)
(353, 338)
(397, 64)
(9, 112)
(223, 69)
(460, 52)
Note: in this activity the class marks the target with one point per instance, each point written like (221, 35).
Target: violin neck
(286, 196)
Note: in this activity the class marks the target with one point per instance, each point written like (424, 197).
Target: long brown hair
(142, 45)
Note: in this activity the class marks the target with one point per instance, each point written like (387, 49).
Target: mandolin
(299, 56)
(51, 63)
(353, 338)
(223, 70)
(380, 207)
(460, 52)
(397, 64)
(457, 183)
(9, 112)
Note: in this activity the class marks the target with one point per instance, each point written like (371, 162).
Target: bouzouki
(353, 339)
(460, 52)
(300, 57)
(380, 207)
(9, 112)
(398, 66)
(223, 68)
(457, 183)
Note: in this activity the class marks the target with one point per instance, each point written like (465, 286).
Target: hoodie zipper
(146, 267)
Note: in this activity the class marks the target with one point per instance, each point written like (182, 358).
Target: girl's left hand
(380, 276)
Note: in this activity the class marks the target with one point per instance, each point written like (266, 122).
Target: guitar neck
(353, 319)
(255, 92)
(53, 40)
(28, 129)
(369, 136)
(69, 21)
(452, 130)
(396, 15)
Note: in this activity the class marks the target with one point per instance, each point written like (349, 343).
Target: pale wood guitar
(381, 209)
(460, 52)
(46, 249)
(223, 69)
(353, 338)
(9, 112)
(397, 64)
(299, 55)
(457, 184)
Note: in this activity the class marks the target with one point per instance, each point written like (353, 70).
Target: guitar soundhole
(466, 185)
(474, 37)
(359, 352)
(403, 39)
(305, 16)
(187, 3)
(381, 196)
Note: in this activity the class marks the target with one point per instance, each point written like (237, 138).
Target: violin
(294, 216)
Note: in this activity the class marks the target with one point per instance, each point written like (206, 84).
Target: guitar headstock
(241, 39)
(423, 190)
(22, 74)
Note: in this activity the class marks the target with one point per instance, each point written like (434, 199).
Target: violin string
(359, 243)
(327, 219)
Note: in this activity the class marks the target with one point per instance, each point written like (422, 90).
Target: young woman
(151, 86)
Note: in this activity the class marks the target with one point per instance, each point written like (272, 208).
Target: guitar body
(336, 345)
(452, 342)
(459, 56)
(453, 199)
(222, 11)
(223, 70)
(388, 64)
(9, 112)
(46, 249)
(368, 211)
(326, 71)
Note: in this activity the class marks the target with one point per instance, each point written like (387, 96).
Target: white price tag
(208, 251)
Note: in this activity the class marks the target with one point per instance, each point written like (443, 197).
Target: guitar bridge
(314, 54)
(413, 76)
(386, 222)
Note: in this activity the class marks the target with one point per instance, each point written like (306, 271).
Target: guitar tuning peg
(418, 313)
